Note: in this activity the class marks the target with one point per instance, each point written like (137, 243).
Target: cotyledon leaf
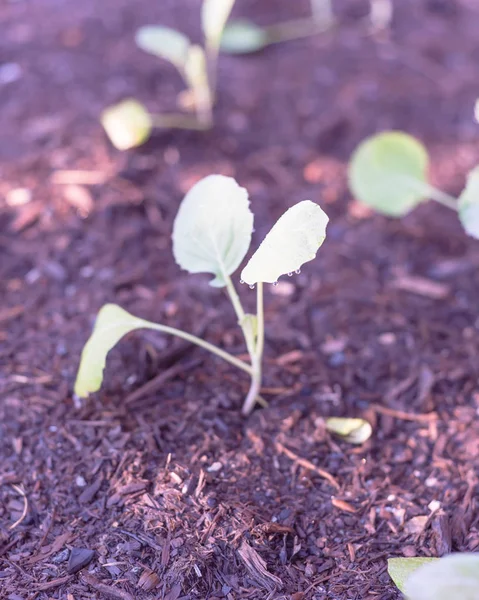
(453, 577)
(293, 240)
(164, 42)
(400, 569)
(213, 227)
(354, 431)
(128, 124)
(214, 14)
(468, 204)
(388, 172)
(112, 323)
(243, 37)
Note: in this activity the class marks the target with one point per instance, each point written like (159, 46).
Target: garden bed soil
(177, 494)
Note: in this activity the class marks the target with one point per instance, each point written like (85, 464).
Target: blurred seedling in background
(389, 173)
(453, 577)
(212, 234)
(129, 124)
(244, 37)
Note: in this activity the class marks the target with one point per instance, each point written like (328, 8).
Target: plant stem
(235, 301)
(292, 30)
(322, 12)
(440, 197)
(179, 121)
(199, 342)
(256, 359)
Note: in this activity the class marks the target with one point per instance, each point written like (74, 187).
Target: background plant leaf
(453, 577)
(164, 42)
(388, 172)
(243, 37)
(112, 323)
(213, 227)
(293, 240)
(400, 569)
(214, 14)
(468, 204)
(128, 124)
(354, 431)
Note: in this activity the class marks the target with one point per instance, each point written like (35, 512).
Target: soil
(177, 494)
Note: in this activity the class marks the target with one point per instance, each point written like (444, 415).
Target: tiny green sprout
(197, 66)
(455, 576)
(212, 234)
(245, 37)
(389, 173)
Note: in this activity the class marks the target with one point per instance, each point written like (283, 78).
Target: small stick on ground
(307, 464)
(404, 416)
(107, 590)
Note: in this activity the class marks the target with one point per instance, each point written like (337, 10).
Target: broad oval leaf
(213, 227)
(112, 323)
(354, 431)
(400, 569)
(128, 124)
(468, 204)
(243, 37)
(388, 172)
(164, 42)
(293, 240)
(214, 14)
(452, 577)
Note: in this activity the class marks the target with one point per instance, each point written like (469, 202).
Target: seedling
(389, 172)
(128, 124)
(453, 577)
(244, 37)
(212, 234)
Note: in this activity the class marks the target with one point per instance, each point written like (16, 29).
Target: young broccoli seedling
(389, 172)
(453, 577)
(129, 124)
(212, 234)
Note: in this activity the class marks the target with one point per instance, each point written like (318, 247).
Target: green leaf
(453, 577)
(293, 240)
(400, 569)
(468, 204)
(112, 323)
(354, 431)
(243, 37)
(128, 124)
(213, 227)
(214, 14)
(388, 172)
(164, 42)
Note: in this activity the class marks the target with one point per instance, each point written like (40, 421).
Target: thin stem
(206, 345)
(179, 121)
(256, 359)
(235, 301)
(212, 53)
(440, 196)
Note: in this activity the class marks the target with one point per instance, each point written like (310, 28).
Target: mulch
(157, 487)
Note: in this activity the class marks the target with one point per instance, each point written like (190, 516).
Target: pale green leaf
(112, 323)
(453, 577)
(468, 204)
(213, 227)
(293, 240)
(476, 110)
(128, 124)
(400, 569)
(354, 431)
(243, 37)
(164, 42)
(388, 172)
(214, 14)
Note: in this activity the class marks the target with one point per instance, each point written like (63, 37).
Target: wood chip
(342, 505)
(307, 464)
(257, 567)
(421, 286)
(106, 590)
(79, 558)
